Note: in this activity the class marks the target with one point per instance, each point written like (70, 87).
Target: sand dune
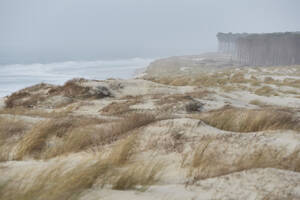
(183, 131)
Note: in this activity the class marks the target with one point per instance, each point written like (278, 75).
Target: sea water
(14, 77)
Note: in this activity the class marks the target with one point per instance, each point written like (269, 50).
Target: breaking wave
(14, 77)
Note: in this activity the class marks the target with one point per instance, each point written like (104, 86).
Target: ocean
(14, 77)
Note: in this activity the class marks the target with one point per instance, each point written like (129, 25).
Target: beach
(14, 77)
(190, 127)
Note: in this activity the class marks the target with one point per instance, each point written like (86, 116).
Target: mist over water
(14, 77)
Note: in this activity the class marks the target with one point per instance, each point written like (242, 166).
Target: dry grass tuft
(74, 140)
(255, 83)
(204, 80)
(229, 88)
(218, 79)
(198, 158)
(38, 87)
(238, 78)
(23, 99)
(208, 80)
(291, 82)
(58, 182)
(293, 92)
(10, 131)
(36, 112)
(266, 91)
(167, 103)
(203, 162)
(34, 142)
(200, 93)
(121, 155)
(11, 127)
(74, 89)
(11, 101)
(243, 120)
(88, 137)
(179, 81)
(75, 134)
(188, 101)
(130, 122)
(139, 175)
(123, 151)
(258, 103)
(119, 108)
(175, 98)
(28, 97)
(217, 157)
(269, 80)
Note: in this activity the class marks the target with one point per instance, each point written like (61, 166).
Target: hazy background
(46, 31)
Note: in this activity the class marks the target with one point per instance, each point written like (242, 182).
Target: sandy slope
(261, 164)
(2, 103)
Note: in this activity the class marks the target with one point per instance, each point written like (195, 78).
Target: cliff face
(198, 129)
(266, 49)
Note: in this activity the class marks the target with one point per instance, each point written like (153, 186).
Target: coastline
(14, 77)
(180, 115)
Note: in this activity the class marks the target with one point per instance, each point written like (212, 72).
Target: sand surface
(200, 157)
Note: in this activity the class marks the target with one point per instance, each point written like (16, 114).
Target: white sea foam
(17, 76)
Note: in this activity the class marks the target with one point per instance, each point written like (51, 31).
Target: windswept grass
(34, 142)
(11, 127)
(292, 83)
(139, 175)
(58, 182)
(258, 103)
(269, 80)
(266, 91)
(36, 112)
(244, 120)
(84, 137)
(74, 140)
(23, 99)
(217, 79)
(76, 134)
(199, 158)
(31, 97)
(10, 131)
(119, 108)
(238, 78)
(174, 99)
(216, 157)
(75, 89)
(123, 151)
(55, 183)
(130, 122)
(28, 97)
(10, 101)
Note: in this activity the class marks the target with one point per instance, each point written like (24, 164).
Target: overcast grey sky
(59, 30)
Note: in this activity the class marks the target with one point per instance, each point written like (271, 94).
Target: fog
(62, 30)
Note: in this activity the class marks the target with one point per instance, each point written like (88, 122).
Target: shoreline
(211, 131)
(58, 73)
